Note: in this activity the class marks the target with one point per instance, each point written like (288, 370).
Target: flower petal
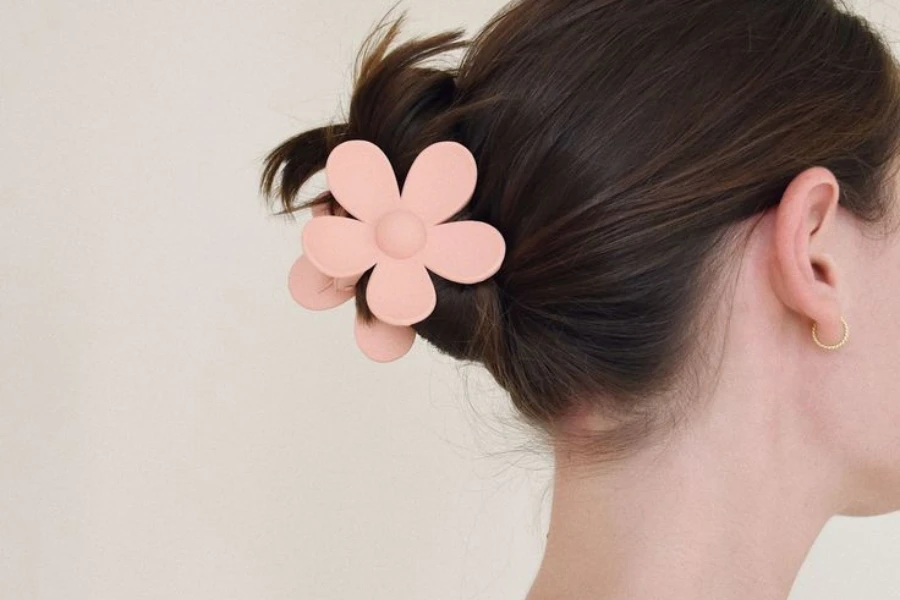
(319, 210)
(312, 289)
(464, 251)
(340, 246)
(362, 180)
(400, 292)
(382, 342)
(440, 182)
(347, 283)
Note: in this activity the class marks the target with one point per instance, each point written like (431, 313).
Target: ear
(805, 275)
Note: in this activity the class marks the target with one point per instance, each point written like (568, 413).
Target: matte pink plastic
(314, 290)
(403, 235)
(382, 342)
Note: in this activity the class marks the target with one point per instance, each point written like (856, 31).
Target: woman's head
(629, 153)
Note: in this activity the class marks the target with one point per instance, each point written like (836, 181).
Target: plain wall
(172, 425)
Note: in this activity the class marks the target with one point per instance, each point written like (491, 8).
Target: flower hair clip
(403, 235)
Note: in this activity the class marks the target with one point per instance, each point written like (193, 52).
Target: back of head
(620, 144)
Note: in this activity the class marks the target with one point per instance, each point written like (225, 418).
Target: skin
(793, 434)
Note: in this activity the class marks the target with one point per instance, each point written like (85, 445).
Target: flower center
(400, 234)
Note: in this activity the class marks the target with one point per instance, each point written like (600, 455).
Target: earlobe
(804, 273)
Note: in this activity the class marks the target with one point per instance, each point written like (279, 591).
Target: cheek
(870, 378)
(879, 318)
(863, 387)
(872, 310)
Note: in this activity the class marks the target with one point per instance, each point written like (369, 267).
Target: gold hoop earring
(839, 344)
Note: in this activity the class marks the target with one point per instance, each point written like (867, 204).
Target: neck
(717, 514)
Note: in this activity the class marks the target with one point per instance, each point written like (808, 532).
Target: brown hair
(618, 144)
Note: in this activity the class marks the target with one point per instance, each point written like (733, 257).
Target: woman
(697, 203)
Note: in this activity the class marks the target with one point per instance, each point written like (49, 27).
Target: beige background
(172, 425)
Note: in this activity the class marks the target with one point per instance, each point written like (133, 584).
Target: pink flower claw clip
(403, 235)
(314, 290)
